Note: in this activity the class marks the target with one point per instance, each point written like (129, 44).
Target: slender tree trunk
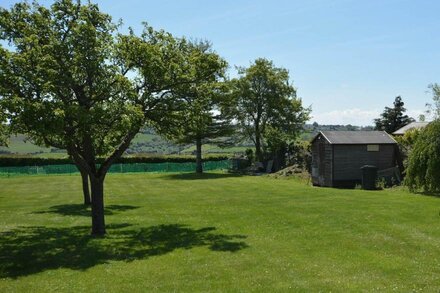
(199, 165)
(258, 153)
(98, 222)
(85, 186)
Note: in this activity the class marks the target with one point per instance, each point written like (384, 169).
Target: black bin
(369, 177)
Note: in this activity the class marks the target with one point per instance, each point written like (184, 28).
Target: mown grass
(216, 233)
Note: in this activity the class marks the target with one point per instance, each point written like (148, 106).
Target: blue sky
(348, 59)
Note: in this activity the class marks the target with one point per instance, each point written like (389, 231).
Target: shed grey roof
(412, 125)
(357, 137)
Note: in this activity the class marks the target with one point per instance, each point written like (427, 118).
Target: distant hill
(18, 144)
(148, 142)
(310, 130)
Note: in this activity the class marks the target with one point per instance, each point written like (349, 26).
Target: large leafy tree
(201, 116)
(68, 79)
(423, 171)
(266, 103)
(203, 120)
(393, 118)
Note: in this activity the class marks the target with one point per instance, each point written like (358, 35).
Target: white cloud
(416, 113)
(354, 116)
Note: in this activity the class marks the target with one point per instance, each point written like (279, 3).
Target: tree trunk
(98, 223)
(199, 165)
(258, 154)
(85, 186)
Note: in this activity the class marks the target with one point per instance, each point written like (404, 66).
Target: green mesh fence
(117, 168)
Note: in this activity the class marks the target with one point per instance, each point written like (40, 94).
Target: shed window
(372, 147)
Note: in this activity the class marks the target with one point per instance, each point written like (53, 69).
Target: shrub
(249, 155)
(423, 170)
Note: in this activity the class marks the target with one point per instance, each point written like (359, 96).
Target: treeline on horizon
(159, 146)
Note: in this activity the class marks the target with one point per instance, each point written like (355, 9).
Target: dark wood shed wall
(322, 160)
(348, 159)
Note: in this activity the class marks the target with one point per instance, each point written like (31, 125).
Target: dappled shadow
(29, 250)
(196, 176)
(84, 210)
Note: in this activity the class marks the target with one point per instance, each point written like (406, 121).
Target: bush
(406, 144)
(423, 170)
(300, 154)
(249, 153)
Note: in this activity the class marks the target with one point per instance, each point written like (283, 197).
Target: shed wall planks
(334, 164)
(348, 159)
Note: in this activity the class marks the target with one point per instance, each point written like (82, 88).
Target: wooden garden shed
(337, 156)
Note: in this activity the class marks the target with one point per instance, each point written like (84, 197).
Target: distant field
(142, 137)
(143, 143)
(147, 142)
(19, 145)
(51, 155)
(216, 233)
(215, 149)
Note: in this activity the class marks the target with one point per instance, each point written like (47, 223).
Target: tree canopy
(423, 171)
(393, 118)
(433, 108)
(3, 129)
(266, 105)
(203, 120)
(70, 80)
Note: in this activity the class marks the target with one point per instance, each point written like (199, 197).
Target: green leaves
(70, 80)
(393, 118)
(434, 107)
(4, 129)
(423, 171)
(200, 114)
(58, 69)
(266, 105)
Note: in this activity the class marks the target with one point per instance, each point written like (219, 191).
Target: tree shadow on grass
(83, 210)
(196, 176)
(30, 250)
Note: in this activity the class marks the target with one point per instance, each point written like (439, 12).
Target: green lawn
(218, 233)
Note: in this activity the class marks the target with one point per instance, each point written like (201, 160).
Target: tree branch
(118, 152)
(78, 159)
